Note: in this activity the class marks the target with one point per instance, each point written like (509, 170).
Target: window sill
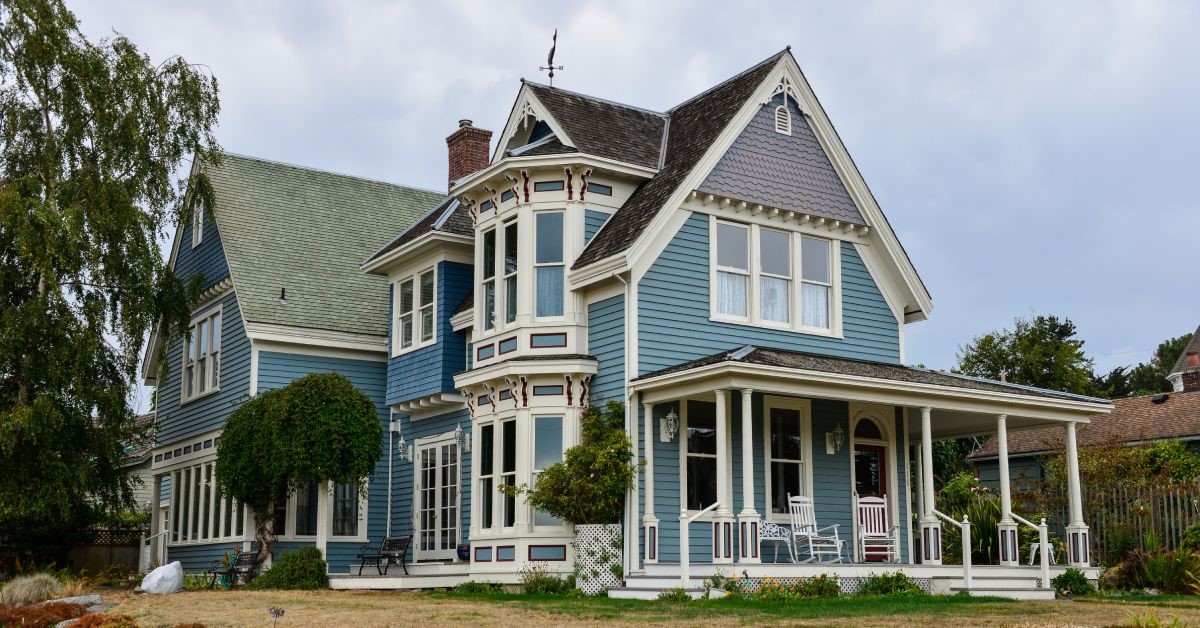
(761, 324)
(416, 347)
(208, 393)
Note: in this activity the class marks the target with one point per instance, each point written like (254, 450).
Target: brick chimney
(1191, 373)
(468, 150)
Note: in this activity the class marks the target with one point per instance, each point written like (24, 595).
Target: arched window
(783, 120)
(867, 428)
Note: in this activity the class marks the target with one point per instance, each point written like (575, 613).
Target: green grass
(599, 609)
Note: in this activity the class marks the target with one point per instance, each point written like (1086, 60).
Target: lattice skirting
(597, 557)
(850, 585)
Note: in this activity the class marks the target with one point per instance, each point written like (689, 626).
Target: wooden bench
(244, 565)
(393, 548)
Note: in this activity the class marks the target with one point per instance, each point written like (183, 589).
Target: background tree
(1042, 351)
(91, 138)
(1151, 377)
(318, 428)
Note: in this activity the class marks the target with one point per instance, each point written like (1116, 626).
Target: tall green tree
(319, 428)
(92, 138)
(1042, 351)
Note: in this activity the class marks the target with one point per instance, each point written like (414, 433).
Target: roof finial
(550, 59)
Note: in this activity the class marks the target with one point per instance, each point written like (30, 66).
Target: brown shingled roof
(1133, 419)
(602, 127)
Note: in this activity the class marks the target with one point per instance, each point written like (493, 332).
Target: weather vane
(550, 59)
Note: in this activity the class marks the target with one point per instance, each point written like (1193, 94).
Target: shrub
(535, 581)
(105, 620)
(32, 589)
(1122, 540)
(39, 615)
(301, 569)
(1191, 538)
(472, 587)
(889, 584)
(1071, 583)
(1151, 620)
(195, 582)
(675, 595)
(1157, 569)
(822, 586)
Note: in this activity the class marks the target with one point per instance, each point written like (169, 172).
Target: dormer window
(414, 310)
(783, 120)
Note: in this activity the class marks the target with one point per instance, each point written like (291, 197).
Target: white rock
(165, 579)
(86, 600)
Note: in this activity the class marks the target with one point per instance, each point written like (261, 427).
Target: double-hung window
(510, 272)
(786, 457)
(415, 310)
(508, 470)
(547, 451)
(198, 225)
(701, 455)
(201, 356)
(733, 270)
(345, 509)
(816, 281)
(548, 264)
(489, 279)
(487, 478)
(775, 276)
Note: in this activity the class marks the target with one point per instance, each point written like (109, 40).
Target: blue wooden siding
(606, 341)
(901, 471)
(592, 221)
(673, 311)
(832, 490)
(431, 370)
(402, 502)
(276, 370)
(176, 421)
(199, 558)
(207, 259)
(1025, 469)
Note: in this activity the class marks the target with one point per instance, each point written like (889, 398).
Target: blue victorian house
(720, 267)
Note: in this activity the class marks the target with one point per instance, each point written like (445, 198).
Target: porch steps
(1009, 586)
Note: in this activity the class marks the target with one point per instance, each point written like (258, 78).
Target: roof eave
(536, 161)
(380, 265)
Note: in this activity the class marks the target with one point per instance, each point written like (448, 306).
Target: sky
(1032, 157)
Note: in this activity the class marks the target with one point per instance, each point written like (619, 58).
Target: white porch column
(1077, 530)
(1007, 526)
(931, 528)
(748, 519)
(324, 516)
(649, 521)
(722, 520)
(151, 556)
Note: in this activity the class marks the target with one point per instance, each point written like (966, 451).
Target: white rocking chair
(821, 546)
(876, 538)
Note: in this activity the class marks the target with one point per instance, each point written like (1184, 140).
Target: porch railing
(1043, 545)
(965, 527)
(685, 559)
(146, 549)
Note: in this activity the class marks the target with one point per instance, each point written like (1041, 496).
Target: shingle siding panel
(606, 341)
(673, 311)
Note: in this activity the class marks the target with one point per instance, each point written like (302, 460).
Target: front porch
(781, 424)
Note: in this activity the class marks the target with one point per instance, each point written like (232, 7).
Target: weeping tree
(318, 428)
(94, 137)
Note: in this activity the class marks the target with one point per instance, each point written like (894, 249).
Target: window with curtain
(775, 274)
(548, 264)
(510, 272)
(786, 457)
(700, 440)
(486, 474)
(345, 510)
(733, 269)
(201, 357)
(547, 451)
(816, 282)
(489, 279)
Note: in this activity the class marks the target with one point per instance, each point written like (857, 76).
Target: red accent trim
(525, 179)
(479, 350)
(570, 388)
(716, 536)
(524, 391)
(506, 560)
(728, 540)
(754, 540)
(569, 186)
(548, 560)
(501, 343)
(562, 335)
(477, 559)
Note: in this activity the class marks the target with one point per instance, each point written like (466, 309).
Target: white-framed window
(791, 284)
(547, 451)
(416, 297)
(488, 288)
(198, 225)
(787, 447)
(202, 356)
(198, 512)
(783, 120)
(548, 264)
(508, 471)
(510, 271)
(348, 510)
(699, 439)
(486, 477)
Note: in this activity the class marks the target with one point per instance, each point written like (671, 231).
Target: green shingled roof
(306, 230)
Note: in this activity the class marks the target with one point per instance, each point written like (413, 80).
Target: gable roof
(269, 212)
(800, 360)
(1133, 419)
(1192, 345)
(692, 127)
(604, 128)
(448, 216)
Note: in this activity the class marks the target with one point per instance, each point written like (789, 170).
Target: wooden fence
(1133, 513)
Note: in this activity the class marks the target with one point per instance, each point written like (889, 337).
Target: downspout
(391, 437)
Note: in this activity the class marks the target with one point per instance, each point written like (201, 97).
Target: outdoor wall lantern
(834, 440)
(668, 427)
(406, 452)
(462, 439)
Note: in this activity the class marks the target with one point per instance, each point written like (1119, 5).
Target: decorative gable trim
(527, 106)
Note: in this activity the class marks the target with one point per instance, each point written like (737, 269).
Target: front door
(436, 500)
(870, 479)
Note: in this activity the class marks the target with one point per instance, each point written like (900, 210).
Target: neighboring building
(1187, 362)
(719, 267)
(1133, 421)
(137, 462)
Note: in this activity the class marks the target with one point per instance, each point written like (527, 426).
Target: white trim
(527, 105)
(428, 406)
(198, 225)
(549, 161)
(381, 265)
(418, 327)
(463, 320)
(254, 349)
(908, 489)
(436, 441)
(804, 407)
(323, 338)
(501, 369)
(317, 350)
(364, 494)
(683, 457)
(884, 417)
(210, 314)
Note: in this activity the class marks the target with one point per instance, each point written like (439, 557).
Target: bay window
(415, 298)
(547, 451)
(201, 356)
(508, 470)
(199, 512)
(510, 272)
(700, 442)
(489, 279)
(486, 475)
(548, 264)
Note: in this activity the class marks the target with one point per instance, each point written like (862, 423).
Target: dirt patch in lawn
(376, 608)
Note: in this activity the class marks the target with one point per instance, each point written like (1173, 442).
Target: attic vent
(783, 120)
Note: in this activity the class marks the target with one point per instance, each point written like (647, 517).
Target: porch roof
(957, 400)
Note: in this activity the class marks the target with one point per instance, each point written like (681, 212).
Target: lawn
(372, 608)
